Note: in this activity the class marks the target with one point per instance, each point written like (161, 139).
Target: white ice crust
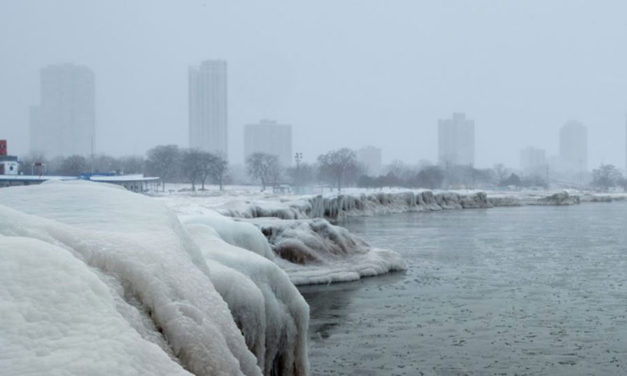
(90, 268)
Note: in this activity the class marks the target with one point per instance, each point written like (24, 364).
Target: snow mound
(315, 251)
(50, 302)
(159, 277)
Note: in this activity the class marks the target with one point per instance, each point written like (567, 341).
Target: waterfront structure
(269, 137)
(208, 127)
(573, 147)
(370, 158)
(64, 122)
(456, 141)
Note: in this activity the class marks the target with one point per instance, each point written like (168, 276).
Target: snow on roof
(35, 177)
(123, 178)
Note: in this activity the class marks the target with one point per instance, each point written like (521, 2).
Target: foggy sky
(343, 73)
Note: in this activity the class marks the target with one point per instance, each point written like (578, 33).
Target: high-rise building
(626, 144)
(269, 137)
(533, 161)
(64, 122)
(456, 141)
(574, 147)
(208, 107)
(370, 158)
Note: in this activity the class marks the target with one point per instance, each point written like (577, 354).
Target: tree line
(337, 169)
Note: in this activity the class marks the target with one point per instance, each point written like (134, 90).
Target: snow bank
(315, 251)
(50, 302)
(160, 278)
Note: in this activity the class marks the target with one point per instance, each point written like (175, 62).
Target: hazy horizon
(352, 74)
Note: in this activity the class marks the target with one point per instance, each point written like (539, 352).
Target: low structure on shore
(134, 183)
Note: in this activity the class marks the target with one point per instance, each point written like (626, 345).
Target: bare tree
(73, 165)
(606, 177)
(163, 161)
(192, 166)
(132, 164)
(104, 163)
(217, 167)
(264, 167)
(338, 166)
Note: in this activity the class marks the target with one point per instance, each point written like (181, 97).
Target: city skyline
(67, 77)
(419, 73)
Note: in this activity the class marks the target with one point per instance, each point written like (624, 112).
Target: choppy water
(509, 291)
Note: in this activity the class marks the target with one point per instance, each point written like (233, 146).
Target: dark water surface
(508, 291)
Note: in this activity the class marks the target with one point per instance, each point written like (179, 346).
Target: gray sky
(344, 73)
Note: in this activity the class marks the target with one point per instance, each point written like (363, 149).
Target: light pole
(298, 157)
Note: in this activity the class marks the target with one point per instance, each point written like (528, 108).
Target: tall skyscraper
(456, 141)
(208, 107)
(269, 137)
(533, 161)
(574, 147)
(370, 158)
(64, 122)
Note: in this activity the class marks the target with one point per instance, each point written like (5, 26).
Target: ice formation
(315, 251)
(310, 250)
(161, 298)
(335, 206)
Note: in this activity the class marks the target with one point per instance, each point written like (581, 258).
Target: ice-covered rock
(315, 251)
(159, 277)
(333, 207)
(559, 199)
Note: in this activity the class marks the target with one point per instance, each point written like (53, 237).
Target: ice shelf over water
(98, 280)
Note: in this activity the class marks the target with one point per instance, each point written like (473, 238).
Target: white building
(269, 137)
(370, 158)
(574, 147)
(456, 141)
(8, 165)
(533, 161)
(64, 122)
(208, 107)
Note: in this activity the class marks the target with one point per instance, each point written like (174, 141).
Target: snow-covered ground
(98, 280)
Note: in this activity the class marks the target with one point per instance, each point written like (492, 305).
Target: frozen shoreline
(312, 250)
(356, 202)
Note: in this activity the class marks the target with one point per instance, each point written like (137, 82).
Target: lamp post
(298, 157)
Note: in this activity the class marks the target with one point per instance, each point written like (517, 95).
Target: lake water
(506, 291)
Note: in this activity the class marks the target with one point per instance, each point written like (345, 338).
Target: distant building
(370, 158)
(626, 144)
(574, 147)
(456, 141)
(208, 107)
(533, 161)
(64, 122)
(269, 137)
